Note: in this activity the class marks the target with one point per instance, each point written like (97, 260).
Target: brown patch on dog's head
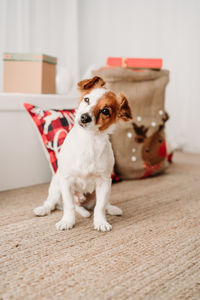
(86, 85)
(108, 110)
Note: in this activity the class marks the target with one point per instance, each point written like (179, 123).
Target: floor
(153, 251)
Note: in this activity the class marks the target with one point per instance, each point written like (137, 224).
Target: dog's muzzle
(85, 118)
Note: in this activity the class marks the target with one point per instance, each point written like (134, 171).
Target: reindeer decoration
(154, 149)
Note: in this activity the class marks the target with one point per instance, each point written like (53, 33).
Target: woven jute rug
(153, 251)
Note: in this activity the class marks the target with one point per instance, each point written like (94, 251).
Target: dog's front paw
(65, 223)
(41, 211)
(102, 226)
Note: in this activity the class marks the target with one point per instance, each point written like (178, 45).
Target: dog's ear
(87, 84)
(124, 109)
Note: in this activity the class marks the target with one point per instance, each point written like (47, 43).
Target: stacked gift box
(29, 73)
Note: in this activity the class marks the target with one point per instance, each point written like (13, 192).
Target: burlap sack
(139, 146)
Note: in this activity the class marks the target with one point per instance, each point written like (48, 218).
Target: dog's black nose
(85, 118)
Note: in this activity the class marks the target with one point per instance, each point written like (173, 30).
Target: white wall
(169, 29)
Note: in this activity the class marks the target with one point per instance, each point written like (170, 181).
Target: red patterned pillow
(53, 126)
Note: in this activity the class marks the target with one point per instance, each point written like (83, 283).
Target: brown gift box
(29, 73)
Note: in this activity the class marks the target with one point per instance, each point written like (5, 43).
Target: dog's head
(100, 108)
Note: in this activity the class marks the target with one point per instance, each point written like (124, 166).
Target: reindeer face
(154, 147)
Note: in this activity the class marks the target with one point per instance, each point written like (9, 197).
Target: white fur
(85, 164)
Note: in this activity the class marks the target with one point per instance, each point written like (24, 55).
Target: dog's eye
(147, 150)
(105, 111)
(160, 141)
(87, 100)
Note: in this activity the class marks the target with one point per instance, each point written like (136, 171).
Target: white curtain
(41, 26)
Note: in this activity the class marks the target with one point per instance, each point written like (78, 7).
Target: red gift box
(143, 63)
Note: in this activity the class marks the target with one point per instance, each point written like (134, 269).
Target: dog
(86, 159)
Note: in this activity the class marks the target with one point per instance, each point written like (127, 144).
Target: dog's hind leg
(83, 202)
(113, 210)
(52, 199)
(82, 211)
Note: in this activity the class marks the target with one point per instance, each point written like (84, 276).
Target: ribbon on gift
(124, 62)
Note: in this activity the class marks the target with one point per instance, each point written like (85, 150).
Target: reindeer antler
(140, 132)
(165, 118)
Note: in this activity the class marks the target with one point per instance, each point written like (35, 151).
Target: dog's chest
(84, 154)
(94, 155)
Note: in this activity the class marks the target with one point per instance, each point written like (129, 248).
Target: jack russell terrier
(86, 159)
